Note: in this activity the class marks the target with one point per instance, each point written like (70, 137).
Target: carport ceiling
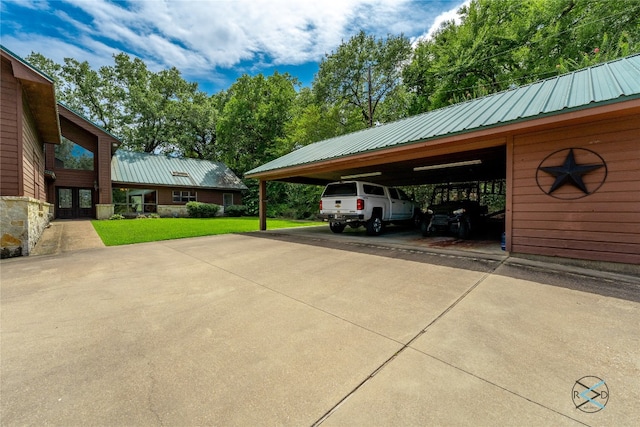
(477, 165)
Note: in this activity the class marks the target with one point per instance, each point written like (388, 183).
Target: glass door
(74, 203)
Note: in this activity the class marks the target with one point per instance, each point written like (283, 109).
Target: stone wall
(104, 211)
(22, 221)
(174, 211)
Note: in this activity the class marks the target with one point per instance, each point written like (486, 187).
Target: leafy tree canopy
(364, 73)
(503, 43)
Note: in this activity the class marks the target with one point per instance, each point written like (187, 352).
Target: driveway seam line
(327, 414)
(497, 385)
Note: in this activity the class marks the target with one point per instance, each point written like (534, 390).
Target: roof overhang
(475, 155)
(40, 96)
(152, 185)
(89, 126)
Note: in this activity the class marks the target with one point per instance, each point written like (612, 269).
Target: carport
(566, 146)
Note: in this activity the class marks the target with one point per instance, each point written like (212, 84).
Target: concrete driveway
(268, 330)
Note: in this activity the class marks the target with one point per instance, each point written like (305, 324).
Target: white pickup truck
(356, 203)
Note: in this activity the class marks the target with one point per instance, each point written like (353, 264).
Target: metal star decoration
(569, 173)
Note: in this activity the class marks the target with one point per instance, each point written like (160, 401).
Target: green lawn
(127, 231)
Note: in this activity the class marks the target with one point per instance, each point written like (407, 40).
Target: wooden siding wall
(32, 158)
(75, 178)
(603, 226)
(10, 105)
(104, 170)
(165, 194)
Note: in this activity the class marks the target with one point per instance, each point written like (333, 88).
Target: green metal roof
(609, 82)
(128, 167)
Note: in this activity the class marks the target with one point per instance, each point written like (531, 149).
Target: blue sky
(212, 42)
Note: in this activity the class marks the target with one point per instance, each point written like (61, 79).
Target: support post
(263, 204)
(509, 195)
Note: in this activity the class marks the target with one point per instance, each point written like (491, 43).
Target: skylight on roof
(184, 174)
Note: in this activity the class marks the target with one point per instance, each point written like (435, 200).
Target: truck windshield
(341, 189)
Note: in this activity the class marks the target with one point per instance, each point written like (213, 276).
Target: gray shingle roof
(129, 167)
(609, 82)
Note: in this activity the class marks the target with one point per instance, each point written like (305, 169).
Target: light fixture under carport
(361, 175)
(448, 165)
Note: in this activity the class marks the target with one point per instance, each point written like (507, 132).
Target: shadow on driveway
(482, 256)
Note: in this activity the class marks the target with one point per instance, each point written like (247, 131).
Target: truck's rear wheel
(374, 226)
(337, 227)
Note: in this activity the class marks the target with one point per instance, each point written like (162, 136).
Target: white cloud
(449, 15)
(202, 38)
(30, 4)
(193, 34)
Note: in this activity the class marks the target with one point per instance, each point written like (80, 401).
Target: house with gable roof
(55, 163)
(29, 121)
(146, 183)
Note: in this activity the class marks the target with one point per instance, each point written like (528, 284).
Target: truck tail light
(320, 204)
(360, 205)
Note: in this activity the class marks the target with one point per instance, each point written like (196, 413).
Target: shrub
(141, 216)
(154, 215)
(236, 210)
(202, 210)
(116, 217)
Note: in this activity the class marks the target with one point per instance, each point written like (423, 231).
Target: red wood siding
(9, 147)
(32, 158)
(104, 170)
(604, 225)
(74, 178)
(80, 136)
(165, 194)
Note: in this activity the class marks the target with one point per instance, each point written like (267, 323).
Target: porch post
(263, 204)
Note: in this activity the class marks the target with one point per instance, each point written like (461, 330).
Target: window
(340, 189)
(393, 193)
(64, 198)
(373, 189)
(134, 200)
(70, 155)
(403, 195)
(184, 196)
(227, 199)
(85, 198)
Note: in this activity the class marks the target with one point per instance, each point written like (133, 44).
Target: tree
(88, 92)
(156, 106)
(253, 120)
(506, 43)
(311, 122)
(150, 111)
(199, 139)
(471, 59)
(363, 74)
(578, 34)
